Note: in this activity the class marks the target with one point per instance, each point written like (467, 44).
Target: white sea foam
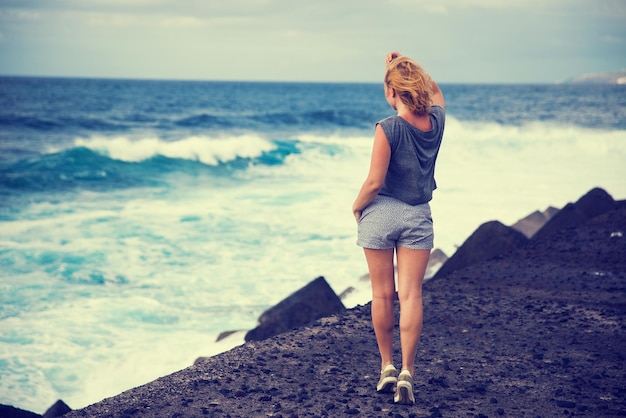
(210, 151)
(488, 172)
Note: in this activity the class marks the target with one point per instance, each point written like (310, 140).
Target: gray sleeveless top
(411, 174)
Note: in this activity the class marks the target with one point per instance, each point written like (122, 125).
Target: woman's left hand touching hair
(392, 56)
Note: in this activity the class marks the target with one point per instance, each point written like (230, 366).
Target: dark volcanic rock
(437, 259)
(592, 204)
(595, 202)
(532, 223)
(568, 217)
(58, 409)
(225, 334)
(315, 300)
(7, 411)
(489, 240)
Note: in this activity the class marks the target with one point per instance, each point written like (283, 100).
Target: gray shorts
(389, 223)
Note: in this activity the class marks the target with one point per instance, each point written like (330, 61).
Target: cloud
(20, 14)
(182, 22)
(618, 40)
(450, 6)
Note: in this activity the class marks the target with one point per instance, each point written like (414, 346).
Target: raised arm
(437, 97)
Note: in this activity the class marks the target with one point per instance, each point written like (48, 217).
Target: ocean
(139, 219)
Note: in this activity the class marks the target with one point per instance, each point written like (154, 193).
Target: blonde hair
(411, 83)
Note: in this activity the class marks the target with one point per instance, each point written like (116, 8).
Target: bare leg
(380, 264)
(411, 269)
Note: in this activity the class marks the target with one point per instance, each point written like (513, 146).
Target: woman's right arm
(381, 155)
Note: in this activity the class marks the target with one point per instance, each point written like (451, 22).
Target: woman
(393, 213)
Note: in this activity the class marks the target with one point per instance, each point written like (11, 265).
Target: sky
(456, 41)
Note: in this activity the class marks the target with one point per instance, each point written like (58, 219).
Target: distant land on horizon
(614, 77)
